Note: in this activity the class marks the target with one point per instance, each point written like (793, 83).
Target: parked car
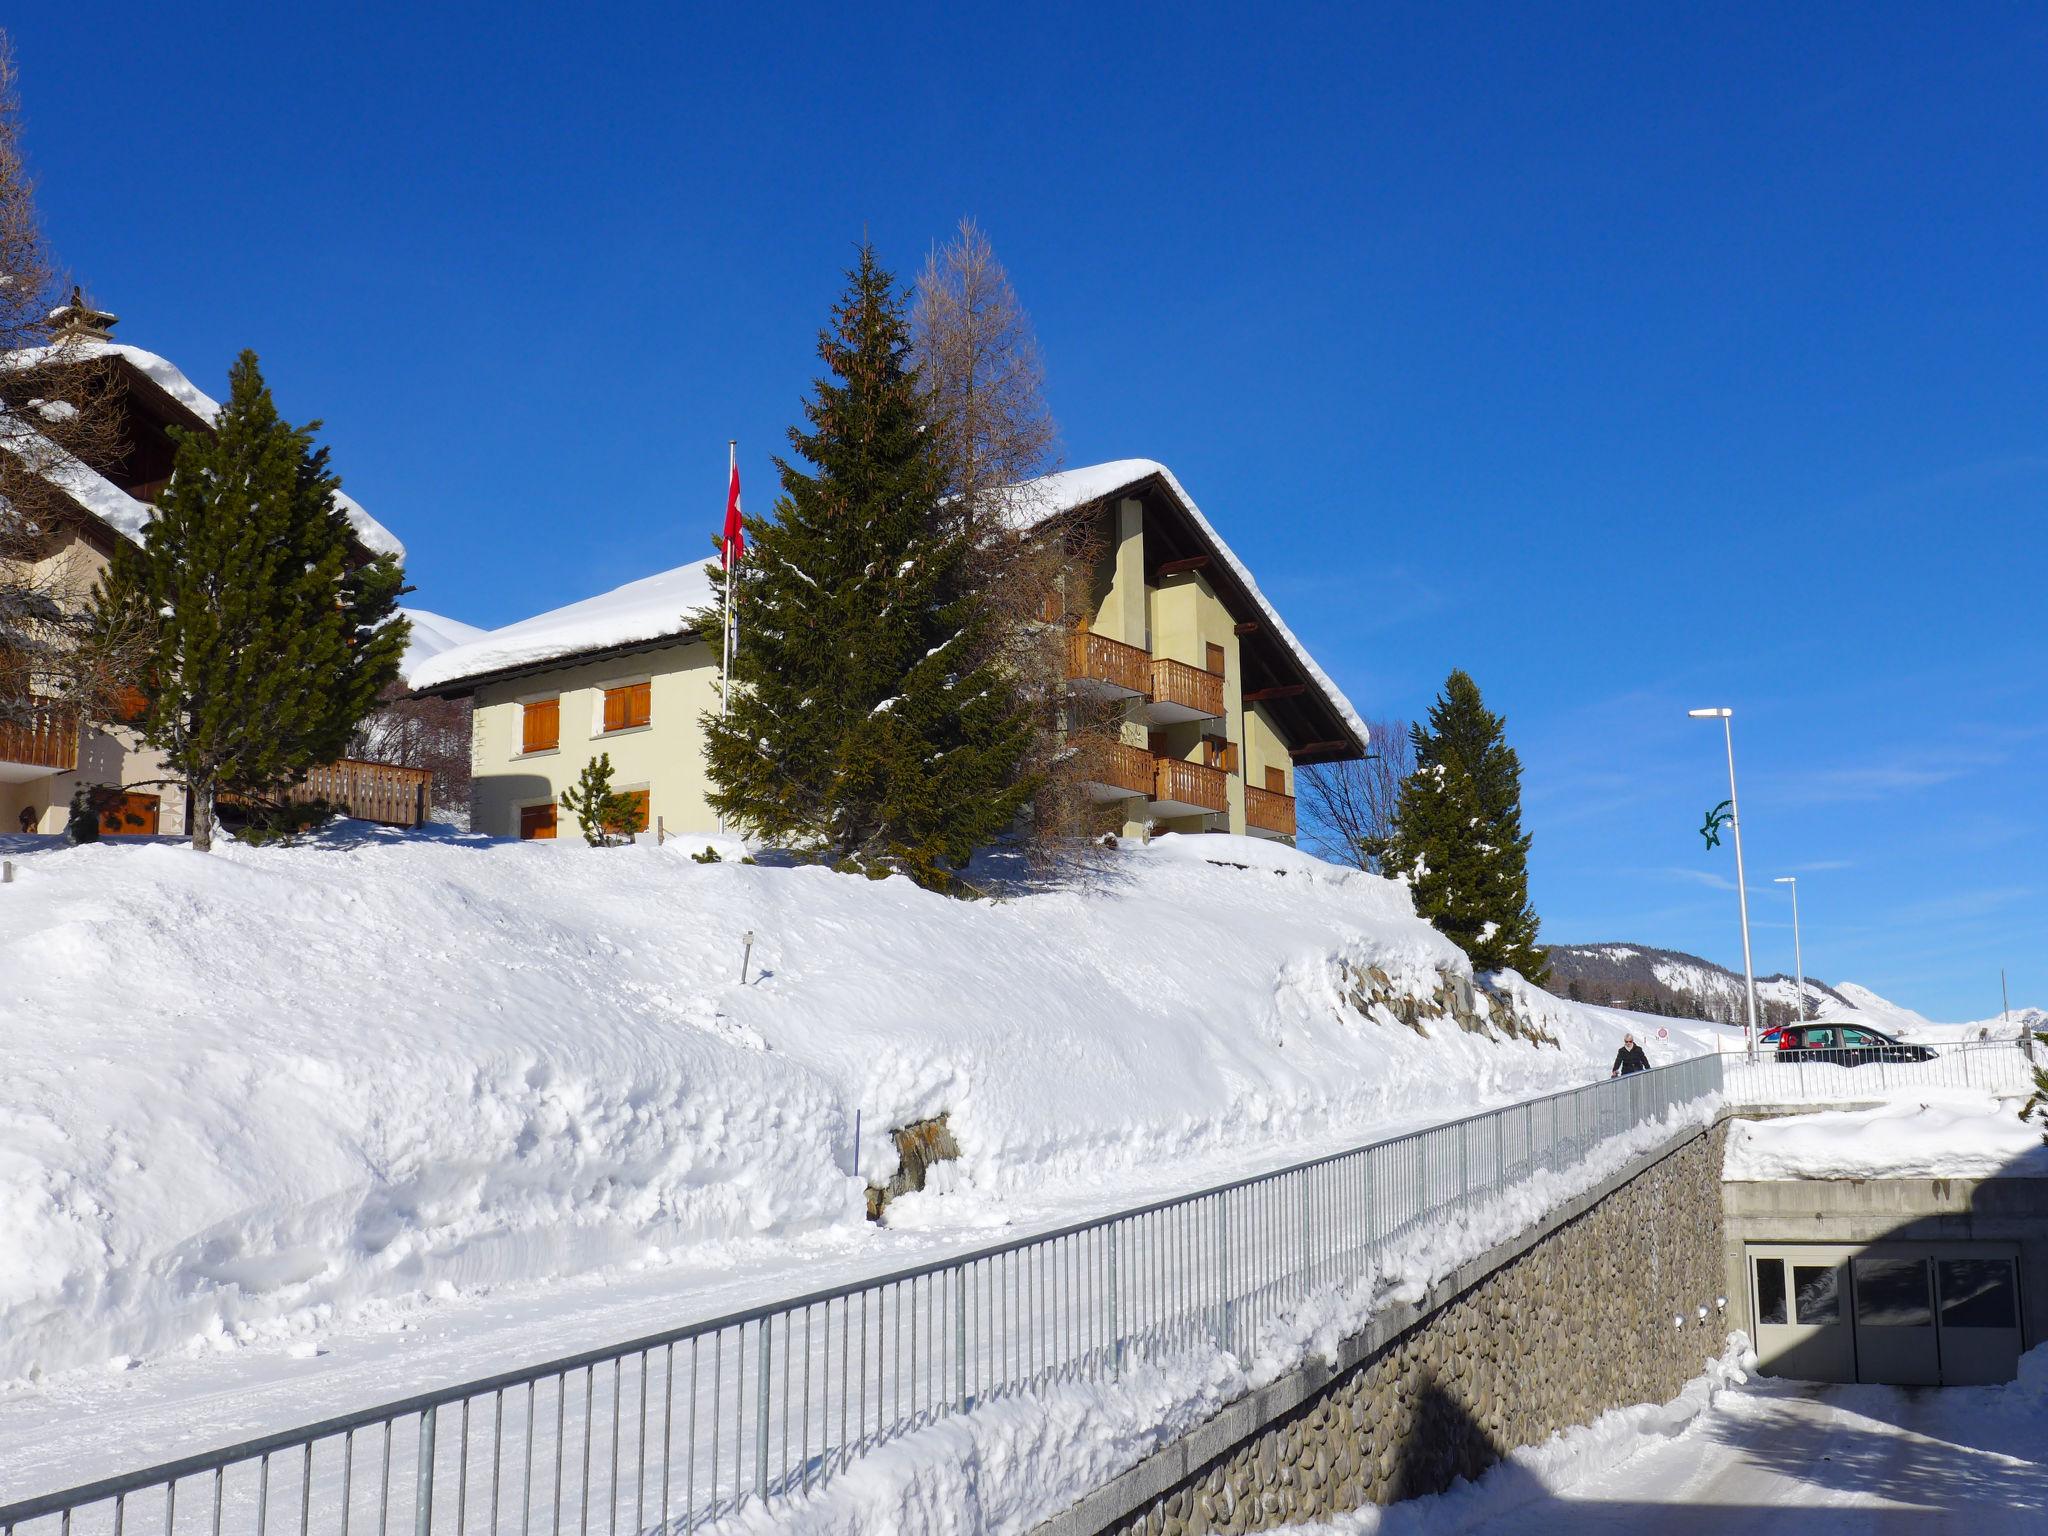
(1844, 1045)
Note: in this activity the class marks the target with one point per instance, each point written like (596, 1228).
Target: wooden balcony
(397, 797)
(40, 740)
(1098, 664)
(1268, 812)
(1182, 692)
(1182, 788)
(1116, 770)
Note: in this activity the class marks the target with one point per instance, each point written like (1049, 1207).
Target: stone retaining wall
(1577, 1322)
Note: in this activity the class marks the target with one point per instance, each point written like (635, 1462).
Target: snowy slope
(267, 1085)
(432, 633)
(1880, 1013)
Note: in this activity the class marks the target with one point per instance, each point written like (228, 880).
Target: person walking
(1629, 1058)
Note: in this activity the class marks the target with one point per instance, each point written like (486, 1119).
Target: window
(1814, 1288)
(540, 725)
(130, 704)
(1276, 780)
(1892, 1293)
(628, 707)
(1770, 1291)
(1856, 1037)
(1219, 754)
(1977, 1293)
(1215, 658)
(1819, 1039)
(536, 821)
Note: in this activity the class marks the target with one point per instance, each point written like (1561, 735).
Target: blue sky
(1631, 358)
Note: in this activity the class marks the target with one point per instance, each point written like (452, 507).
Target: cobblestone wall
(1580, 1323)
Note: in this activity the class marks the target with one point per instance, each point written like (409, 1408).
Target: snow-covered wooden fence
(398, 797)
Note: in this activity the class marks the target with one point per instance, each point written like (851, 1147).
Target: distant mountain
(1677, 985)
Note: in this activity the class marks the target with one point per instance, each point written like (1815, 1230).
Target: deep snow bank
(262, 1086)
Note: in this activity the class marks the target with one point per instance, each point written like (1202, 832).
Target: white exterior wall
(664, 757)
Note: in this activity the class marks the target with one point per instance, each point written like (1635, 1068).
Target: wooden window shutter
(541, 725)
(536, 821)
(1276, 780)
(627, 707)
(1215, 658)
(131, 816)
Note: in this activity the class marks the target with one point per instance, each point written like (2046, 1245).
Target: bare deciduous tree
(59, 420)
(428, 733)
(983, 379)
(1348, 809)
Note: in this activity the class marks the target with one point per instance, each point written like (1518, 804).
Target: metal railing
(1826, 1076)
(683, 1427)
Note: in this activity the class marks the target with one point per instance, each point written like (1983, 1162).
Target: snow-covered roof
(120, 511)
(433, 633)
(652, 608)
(1050, 495)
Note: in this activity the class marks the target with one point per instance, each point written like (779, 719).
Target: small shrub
(708, 856)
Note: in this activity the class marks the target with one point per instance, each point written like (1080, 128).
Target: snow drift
(268, 1085)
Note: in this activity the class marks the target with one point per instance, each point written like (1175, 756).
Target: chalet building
(1210, 702)
(44, 754)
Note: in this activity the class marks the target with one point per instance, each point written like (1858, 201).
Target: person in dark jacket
(1629, 1058)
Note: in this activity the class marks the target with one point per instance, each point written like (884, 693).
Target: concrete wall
(1570, 1319)
(664, 757)
(1851, 1212)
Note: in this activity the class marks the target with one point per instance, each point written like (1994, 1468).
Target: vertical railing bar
(717, 1384)
(526, 1467)
(497, 1452)
(462, 1475)
(640, 1457)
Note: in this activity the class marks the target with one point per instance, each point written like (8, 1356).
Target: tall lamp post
(1725, 716)
(1798, 960)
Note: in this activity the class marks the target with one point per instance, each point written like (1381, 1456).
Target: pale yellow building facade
(1194, 702)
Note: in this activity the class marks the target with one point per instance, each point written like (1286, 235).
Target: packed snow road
(1766, 1458)
(1812, 1461)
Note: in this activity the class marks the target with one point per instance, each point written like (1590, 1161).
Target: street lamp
(1798, 960)
(1741, 885)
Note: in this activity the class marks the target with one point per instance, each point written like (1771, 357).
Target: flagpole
(732, 448)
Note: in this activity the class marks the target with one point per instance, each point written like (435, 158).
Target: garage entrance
(1902, 1314)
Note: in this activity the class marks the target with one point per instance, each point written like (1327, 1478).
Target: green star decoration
(1719, 817)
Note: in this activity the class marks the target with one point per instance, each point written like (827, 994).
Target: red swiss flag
(735, 530)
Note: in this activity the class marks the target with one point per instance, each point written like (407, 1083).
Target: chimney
(78, 320)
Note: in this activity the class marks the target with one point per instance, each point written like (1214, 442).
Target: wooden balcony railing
(398, 797)
(1189, 688)
(41, 736)
(1187, 783)
(1117, 765)
(1093, 658)
(1269, 811)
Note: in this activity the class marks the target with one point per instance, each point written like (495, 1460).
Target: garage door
(1904, 1314)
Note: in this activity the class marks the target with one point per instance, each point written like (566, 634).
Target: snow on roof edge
(650, 609)
(168, 377)
(1068, 489)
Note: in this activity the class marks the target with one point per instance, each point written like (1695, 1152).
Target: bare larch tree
(983, 378)
(59, 416)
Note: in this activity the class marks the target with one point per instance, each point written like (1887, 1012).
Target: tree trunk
(202, 816)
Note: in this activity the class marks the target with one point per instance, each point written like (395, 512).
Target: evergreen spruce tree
(273, 637)
(860, 728)
(1458, 834)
